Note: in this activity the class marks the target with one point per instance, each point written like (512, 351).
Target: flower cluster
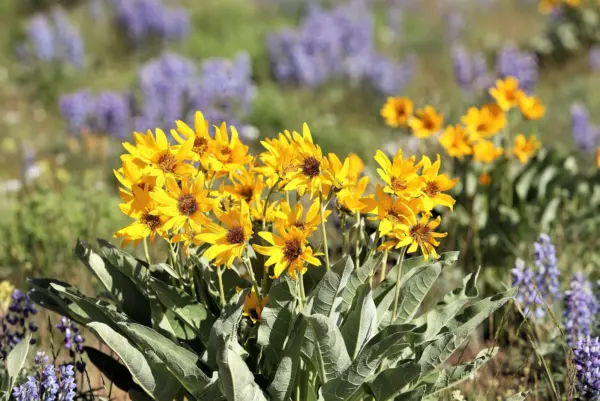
(580, 306)
(549, 6)
(48, 383)
(73, 341)
(475, 136)
(17, 322)
(142, 20)
(527, 297)
(520, 64)
(585, 133)
(52, 40)
(208, 190)
(470, 70)
(334, 43)
(586, 357)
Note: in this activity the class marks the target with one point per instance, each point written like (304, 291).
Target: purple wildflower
(587, 362)
(594, 58)
(45, 384)
(547, 274)
(17, 322)
(585, 134)
(580, 308)
(522, 65)
(527, 297)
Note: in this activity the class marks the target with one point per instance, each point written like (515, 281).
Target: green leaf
(524, 184)
(186, 307)
(361, 323)
(276, 319)
(236, 378)
(111, 369)
(282, 385)
(135, 269)
(326, 298)
(359, 277)
(459, 329)
(550, 213)
(157, 383)
(519, 396)
(226, 326)
(390, 341)
(330, 351)
(184, 364)
(16, 359)
(392, 381)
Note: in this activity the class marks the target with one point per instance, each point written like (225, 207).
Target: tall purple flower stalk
(73, 341)
(48, 383)
(547, 275)
(522, 65)
(17, 322)
(587, 362)
(580, 306)
(585, 134)
(528, 298)
(594, 58)
(470, 70)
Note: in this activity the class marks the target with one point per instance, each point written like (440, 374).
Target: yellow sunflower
(257, 211)
(252, 306)
(484, 122)
(203, 142)
(525, 148)
(507, 93)
(279, 159)
(227, 155)
(396, 111)
(131, 176)
(531, 107)
(247, 185)
(185, 206)
(229, 240)
(350, 200)
(147, 221)
(456, 142)
(356, 167)
(420, 234)
(426, 122)
(435, 185)
(401, 176)
(485, 151)
(295, 218)
(391, 212)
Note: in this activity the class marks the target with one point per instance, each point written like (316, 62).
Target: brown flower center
(431, 189)
(235, 235)
(225, 153)
(167, 163)
(401, 110)
(247, 193)
(292, 250)
(393, 217)
(420, 233)
(151, 221)
(398, 184)
(254, 314)
(311, 167)
(187, 205)
(300, 225)
(200, 145)
(428, 124)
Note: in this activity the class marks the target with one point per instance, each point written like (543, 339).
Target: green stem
(324, 229)
(357, 242)
(254, 282)
(267, 200)
(383, 271)
(221, 290)
(343, 224)
(146, 251)
(398, 275)
(302, 293)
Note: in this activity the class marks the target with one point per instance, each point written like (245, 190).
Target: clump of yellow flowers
(547, 6)
(477, 134)
(204, 191)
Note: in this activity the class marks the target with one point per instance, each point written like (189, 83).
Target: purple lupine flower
(112, 114)
(69, 43)
(45, 384)
(455, 24)
(594, 58)
(527, 297)
(463, 67)
(522, 65)
(67, 387)
(547, 274)
(76, 108)
(17, 322)
(585, 134)
(586, 357)
(42, 38)
(580, 305)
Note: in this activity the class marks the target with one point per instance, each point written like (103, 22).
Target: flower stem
(324, 229)
(264, 213)
(254, 282)
(343, 226)
(383, 271)
(220, 271)
(357, 242)
(146, 251)
(302, 293)
(398, 275)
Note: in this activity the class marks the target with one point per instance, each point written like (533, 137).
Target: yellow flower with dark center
(257, 211)
(396, 111)
(185, 206)
(339, 175)
(400, 176)
(507, 93)
(287, 251)
(131, 176)
(228, 240)
(356, 167)
(311, 167)
(295, 218)
(547, 6)
(203, 143)
(247, 185)
(485, 179)
(435, 185)
(531, 107)
(147, 221)
(391, 212)
(419, 234)
(484, 122)
(525, 148)
(598, 157)
(426, 122)
(252, 306)
(350, 200)
(485, 151)
(456, 141)
(227, 155)
(279, 159)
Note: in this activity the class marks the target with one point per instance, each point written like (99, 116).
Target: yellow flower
(525, 148)
(598, 157)
(547, 6)
(252, 306)
(295, 219)
(131, 176)
(485, 151)
(426, 122)
(185, 206)
(162, 159)
(455, 140)
(228, 240)
(531, 107)
(247, 185)
(311, 166)
(485, 179)
(338, 174)
(391, 212)
(6, 290)
(147, 221)
(257, 211)
(484, 122)
(279, 159)
(287, 251)
(227, 155)
(203, 142)
(396, 111)
(435, 185)
(401, 176)
(350, 199)
(419, 234)
(507, 93)
(356, 167)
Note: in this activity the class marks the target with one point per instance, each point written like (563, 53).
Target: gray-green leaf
(327, 296)
(16, 360)
(359, 277)
(236, 378)
(330, 351)
(361, 323)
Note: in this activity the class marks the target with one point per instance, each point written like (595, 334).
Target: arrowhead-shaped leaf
(361, 323)
(236, 378)
(327, 296)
